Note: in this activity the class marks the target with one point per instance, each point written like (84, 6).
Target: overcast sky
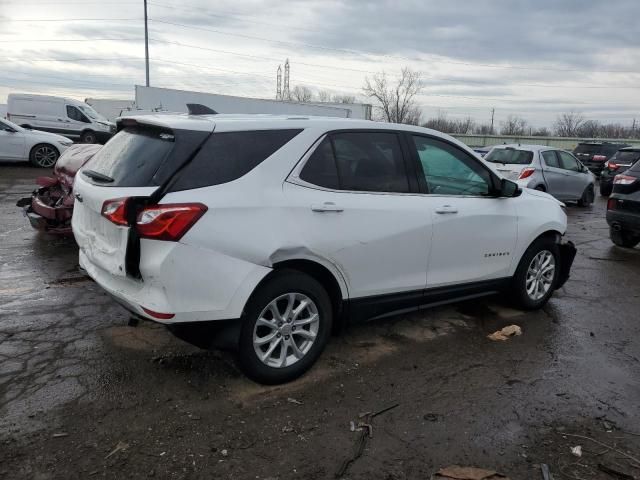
(535, 58)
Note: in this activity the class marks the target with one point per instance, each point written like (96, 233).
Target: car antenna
(198, 109)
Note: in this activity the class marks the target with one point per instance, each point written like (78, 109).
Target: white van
(71, 118)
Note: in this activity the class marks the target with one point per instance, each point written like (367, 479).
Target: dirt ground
(83, 395)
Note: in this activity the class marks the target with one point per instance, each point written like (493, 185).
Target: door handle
(446, 209)
(327, 207)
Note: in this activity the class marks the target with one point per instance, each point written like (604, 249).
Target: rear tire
(285, 327)
(588, 196)
(44, 155)
(605, 191)
(537, 274)
(88, 137)
(623, 239)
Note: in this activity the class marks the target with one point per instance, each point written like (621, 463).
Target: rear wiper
(98, 177)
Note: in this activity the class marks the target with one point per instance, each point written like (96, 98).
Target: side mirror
(509, 188)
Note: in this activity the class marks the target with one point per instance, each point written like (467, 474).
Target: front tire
(623, 239)
(44, 155)
(537, 274)
(286, 326)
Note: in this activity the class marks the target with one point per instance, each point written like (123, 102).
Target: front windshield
(509, 155)
(91, 113)
(10, 124)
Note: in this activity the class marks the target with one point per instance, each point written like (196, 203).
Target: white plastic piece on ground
(576, 451)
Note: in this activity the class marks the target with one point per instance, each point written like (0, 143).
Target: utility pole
(286, 94)
(146, 41)
(493, 111)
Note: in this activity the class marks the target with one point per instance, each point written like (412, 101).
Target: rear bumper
(627, 221)
(567, 255)
(193, 285)
(45, 218)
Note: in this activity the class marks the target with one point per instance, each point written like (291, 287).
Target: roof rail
(198, 109)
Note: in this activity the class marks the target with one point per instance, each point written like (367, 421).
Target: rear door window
(321, 169)
(550, 159)
(510, 156)
(230, 155)
(358, 161)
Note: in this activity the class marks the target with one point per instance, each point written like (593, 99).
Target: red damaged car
(50, 206)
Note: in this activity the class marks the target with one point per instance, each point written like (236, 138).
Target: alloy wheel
(45, 156)
(540, 275)
(286, 330)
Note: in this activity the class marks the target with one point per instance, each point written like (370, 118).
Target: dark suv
(594, 154)
(623, 208)
(623, 159)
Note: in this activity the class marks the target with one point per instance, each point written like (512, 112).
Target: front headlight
(66, 143)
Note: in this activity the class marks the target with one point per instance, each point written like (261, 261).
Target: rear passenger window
(550, 159)
(228, 156)
(358, 161)
(321, 168)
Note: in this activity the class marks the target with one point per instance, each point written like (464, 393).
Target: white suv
(266, 233)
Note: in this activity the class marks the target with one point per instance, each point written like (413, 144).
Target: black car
(594, 154)
(623, 208)
(623, 159)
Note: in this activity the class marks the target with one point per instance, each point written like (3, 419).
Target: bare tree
(541, 132)
(344, 99)
(567, 124)
(513, 125)
(396, 99)
(302, 94)
(324, 96)
(484, 129)
(589, 129)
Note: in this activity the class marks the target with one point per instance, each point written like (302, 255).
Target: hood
(47, 135)
(538, 193)
(72, 160)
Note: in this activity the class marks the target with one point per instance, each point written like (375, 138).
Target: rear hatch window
(509, 156)
(142, 156)
(626, 157)
(228, 156)
(588, 149)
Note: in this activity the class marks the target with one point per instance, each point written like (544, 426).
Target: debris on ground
(505, 333)
(365, 429)
(576, 451)
(294, 401)
(119, 447)
(456, 472)
(60, 435)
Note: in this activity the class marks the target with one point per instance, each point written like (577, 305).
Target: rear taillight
(623, 180)
(599, 158)
(169, 221)
(611, 204)
(611, 165)
(525, 173)
(158, 315)
(116, 210)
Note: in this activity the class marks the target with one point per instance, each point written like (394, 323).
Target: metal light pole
(146, 41)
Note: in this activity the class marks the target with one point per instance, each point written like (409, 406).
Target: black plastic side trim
(567, 254)
(379, 306)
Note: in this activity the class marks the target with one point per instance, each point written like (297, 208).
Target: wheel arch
(40, 144)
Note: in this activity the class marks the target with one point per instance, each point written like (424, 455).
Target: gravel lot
(84, 395)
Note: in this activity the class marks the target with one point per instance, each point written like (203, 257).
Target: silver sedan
(550, 170)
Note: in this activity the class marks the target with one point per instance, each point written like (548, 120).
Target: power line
(40, 40)
(368, 54)
(29, 20)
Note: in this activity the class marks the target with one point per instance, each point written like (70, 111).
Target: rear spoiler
(198, 109)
